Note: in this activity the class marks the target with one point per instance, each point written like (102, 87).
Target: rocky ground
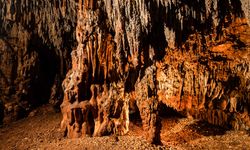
(41, 131)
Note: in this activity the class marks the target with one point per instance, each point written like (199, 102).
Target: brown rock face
(192, 56)
(36, 38)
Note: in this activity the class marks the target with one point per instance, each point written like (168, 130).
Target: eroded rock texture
(36, 38)
(192, 56)
(130, 57)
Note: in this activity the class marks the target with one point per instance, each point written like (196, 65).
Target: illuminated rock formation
(192, 56)
(130, 57)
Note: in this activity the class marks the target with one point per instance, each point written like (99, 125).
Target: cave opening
(168, 117)
(91, 122)
(47, 67)
(134, 114)
(168, 112)
(164, 111)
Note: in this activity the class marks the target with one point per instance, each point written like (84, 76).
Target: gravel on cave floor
(42, 131)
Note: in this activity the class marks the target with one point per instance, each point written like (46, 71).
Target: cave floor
(41, 131)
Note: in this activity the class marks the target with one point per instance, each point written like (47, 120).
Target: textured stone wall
(192, 56)
(36, 38)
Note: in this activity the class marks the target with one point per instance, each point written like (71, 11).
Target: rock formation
(131, 57)
(192, 56)
(36, 38)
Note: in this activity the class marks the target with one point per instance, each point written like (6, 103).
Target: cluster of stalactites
(50, 19)
(131, 21)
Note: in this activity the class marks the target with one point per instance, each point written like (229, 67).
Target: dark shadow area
(43, 76)
(91, 122)
(168, 112)
(186, 17)
(238, 44)
(207, 129)
(1, 112)
(134, 114)
(233, 83)
(156, 37)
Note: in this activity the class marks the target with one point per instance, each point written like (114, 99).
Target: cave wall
(192, 56)
(36, 38)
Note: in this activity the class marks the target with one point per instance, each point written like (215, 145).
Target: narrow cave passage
(169, 118)
(48, 65)
(168, 112)
(164, 112)
(134, 114)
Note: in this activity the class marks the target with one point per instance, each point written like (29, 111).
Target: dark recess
(48, 64)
